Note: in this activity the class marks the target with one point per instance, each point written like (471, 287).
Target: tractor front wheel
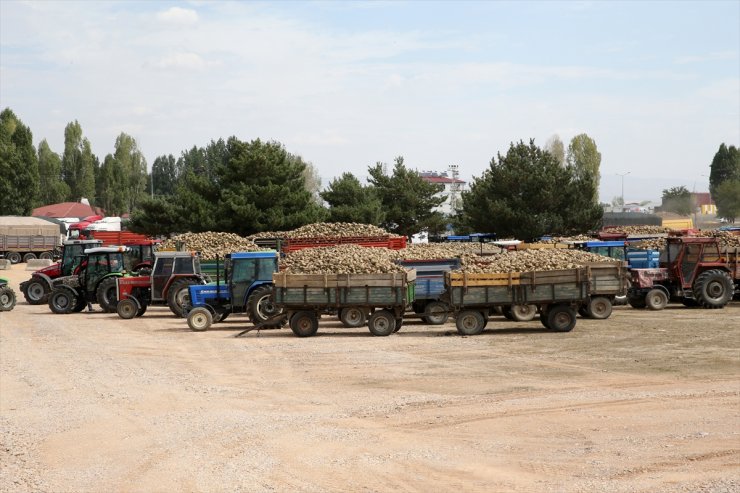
(656, 299)
(127, 308)
(7, 298)
(62, 301)
(199, 319)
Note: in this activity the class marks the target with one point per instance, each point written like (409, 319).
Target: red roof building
(67, 209)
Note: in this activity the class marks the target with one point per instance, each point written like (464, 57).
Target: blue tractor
(246, 287)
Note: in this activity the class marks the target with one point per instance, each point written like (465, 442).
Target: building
(67, 209)
(703, 203)
(453, 187)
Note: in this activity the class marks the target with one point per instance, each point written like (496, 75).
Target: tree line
(254, 186)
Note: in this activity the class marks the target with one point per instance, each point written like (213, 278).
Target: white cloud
(178, 16)
(708, 57)
(185, 61)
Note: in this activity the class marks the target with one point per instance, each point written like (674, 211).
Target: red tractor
(168, 283)
(694, 271)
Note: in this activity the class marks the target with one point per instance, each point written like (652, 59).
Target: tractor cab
(686, 258)
(73, 253)
(100, 263)
(141, 255)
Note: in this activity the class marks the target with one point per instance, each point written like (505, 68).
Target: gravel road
(642, 402)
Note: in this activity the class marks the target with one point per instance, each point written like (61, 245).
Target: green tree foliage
(725, 166)
(350, 201)
(527, 194)
(165, 173)
(264, 189)
(111, 189)
(677, 200)
(19, 168)
(727, 198)
(409, 201)
(555, 147)
(158, 215)
(132, 164)
(585, 159)
(52, 189)
(78, 168)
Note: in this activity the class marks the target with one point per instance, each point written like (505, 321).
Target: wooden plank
(399, 279)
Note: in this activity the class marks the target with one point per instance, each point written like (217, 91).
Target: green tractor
(94, 283)
(7, 296)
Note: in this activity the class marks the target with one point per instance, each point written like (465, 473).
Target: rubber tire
(35, 291)
(107, 294)
(690, 302)
(127, 308)
(68, 299)
(29, 256)
(436, 313)
(176, 296)
(506, 312)
(543, 319)
(561, 318)
(656, 299)
(352, 317)
(200, 319)
(523, 313)
(142, 309)
(713, 288)
(382, 323)
(470, 322)
(14, 257)
(583, 311)
(399, 323)
(637, 302)
(7, 298)
(599, 308)
(304, 323)
(261, 307)
(47, 256)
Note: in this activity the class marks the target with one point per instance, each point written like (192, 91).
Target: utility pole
(623, 175)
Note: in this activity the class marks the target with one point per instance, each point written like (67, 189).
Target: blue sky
(345, 85)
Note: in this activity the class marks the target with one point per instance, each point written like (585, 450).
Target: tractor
(168, 283)
(246, 288)
(7, 296)
(95, 282)
(37, 289)
(694, 271)
(141, 256)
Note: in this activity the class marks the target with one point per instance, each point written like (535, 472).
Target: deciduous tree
(677, 200)
(727, 198)
(350, 201)
(19, 169)
(725, 166)
(78, 164)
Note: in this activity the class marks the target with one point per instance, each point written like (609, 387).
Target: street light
(623, 175)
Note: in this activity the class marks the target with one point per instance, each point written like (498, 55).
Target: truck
(7, 296)
(37, 289)
(95, 281)
(381, 298)
(557, 294)
(246, 287)
(27, 238)
(694, 271)
(168, 283)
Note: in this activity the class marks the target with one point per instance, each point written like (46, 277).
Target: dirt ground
(642, 402)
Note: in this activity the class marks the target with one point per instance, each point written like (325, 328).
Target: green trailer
(557, 295)
(379, 299)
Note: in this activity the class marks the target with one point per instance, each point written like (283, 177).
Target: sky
(348, 84)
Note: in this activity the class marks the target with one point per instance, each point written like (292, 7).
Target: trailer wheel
(436, 313)
(506, 312)
(599, 308)
(352, 317)
(713, 288)
(127, 308)
(14, 257)
(304, 324)
(523, 313)
(470, 322)
(399, 323)
(47, 255)
(583, 311)
(107, 294)
(7, 298)
(35, 291)
(656, 299)
(561, 318)
(29, 256)
(637, 301)
(543, 317)
(199, 319)
(382, 323)
(62, 301)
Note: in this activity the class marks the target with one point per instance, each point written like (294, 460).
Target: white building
(454, 187)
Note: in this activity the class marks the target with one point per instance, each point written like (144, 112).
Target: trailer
(557, 295)
(27, 238)
(381, 299)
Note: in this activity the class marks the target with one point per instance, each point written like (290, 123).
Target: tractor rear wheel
(304, 323)
(713, 288)
(177, 294)
(62, 301)
(261, 306)
(35, 291)
(7, 298)
(470, 322)
(599, 308)
(127, 308)
(107, 294)
(656, 299)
